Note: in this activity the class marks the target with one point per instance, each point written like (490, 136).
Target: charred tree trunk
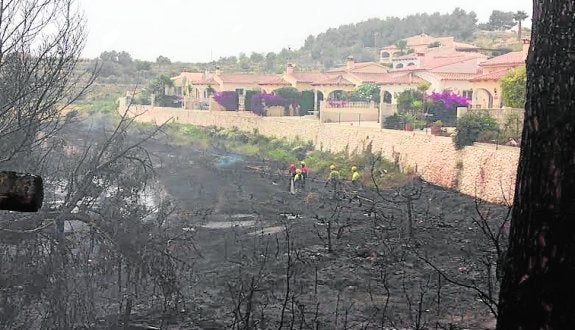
(538, 286)
(20, 192)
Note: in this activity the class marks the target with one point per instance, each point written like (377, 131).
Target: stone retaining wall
(483, 170)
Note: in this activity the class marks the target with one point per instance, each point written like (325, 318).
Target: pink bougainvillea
(449, 99)
(227, 99)
(262, 100)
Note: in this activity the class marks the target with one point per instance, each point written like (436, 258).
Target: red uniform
(292, 169)
(303, 173)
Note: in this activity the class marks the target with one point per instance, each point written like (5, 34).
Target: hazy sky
(201, 30)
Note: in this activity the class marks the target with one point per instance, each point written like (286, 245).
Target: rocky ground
(264, 258)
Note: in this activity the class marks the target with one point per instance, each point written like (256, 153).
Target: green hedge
(475, 126)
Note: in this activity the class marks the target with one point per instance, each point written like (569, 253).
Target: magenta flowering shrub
(449, 99)
(227, 99)
(261, 100)
(442, 106)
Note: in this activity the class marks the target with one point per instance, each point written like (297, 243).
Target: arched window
(386, 97)
(399, 66)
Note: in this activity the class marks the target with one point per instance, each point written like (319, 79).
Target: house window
(468, 94)
(399, 66)
(410, 64)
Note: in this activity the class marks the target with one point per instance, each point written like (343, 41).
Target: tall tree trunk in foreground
(538, 288)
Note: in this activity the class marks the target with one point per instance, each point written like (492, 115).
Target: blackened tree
(40, 46)
(538, 286)
(95, 175)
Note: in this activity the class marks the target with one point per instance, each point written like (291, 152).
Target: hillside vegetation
(326, 50)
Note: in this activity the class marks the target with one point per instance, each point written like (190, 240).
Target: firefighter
(355, 177)
(298, 180)
(333, 179)
(291, 172)
(303, 173)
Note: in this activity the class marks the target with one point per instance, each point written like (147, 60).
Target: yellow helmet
(354, 168)
(332, 167)
(303, 163)
(298, 171)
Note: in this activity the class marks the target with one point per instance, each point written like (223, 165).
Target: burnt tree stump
(20, 192)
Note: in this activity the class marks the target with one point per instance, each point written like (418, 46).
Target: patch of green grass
(281, 154)
(102, 106)
(192, 131)
(246, 149)
(190, 134)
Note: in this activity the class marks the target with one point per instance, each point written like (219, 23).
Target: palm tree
(401, 44)
(519, 17)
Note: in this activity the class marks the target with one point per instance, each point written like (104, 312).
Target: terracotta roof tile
(509, 59)
(422, 39)
(241, 78)
(404, 78)
(430, 63)
(462, 45)
(356, 66)
(274, 80)
(454, 76)
(494, 75)
(308, 77)
(338, 80)
(196, 78)
(437, 58)
(367, 77)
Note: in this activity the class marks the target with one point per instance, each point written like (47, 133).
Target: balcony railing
(347, 104)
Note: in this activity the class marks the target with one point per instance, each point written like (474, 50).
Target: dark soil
(262, 258)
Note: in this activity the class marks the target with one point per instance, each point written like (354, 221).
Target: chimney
(289, 68)
(218, 71)
(526, 43)
(349, 62)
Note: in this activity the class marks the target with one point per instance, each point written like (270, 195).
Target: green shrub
(512, 128)
(306, 102)
(291, 95)
(280, 154)
(475, 126)
(366, 92)
(248, 99)
(513, 86)
(171, 101)
(393, 122)
(246, 149)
